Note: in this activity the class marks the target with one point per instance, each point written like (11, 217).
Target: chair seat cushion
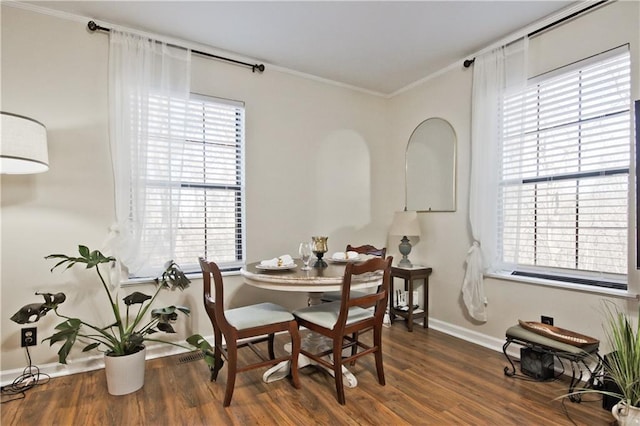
(257, 315)
(326, 314)
(331, 296)
(517, 332)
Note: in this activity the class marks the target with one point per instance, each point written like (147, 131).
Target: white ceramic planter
(626, 415)
(125, 374)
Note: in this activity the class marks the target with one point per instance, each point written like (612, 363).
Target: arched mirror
(431, 167)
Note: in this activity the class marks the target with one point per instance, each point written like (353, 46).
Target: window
(563, 191)
(207, 180)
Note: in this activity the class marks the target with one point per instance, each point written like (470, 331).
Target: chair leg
(272, 354)
(217, 356)
(295, 353)
(354, 348)
(217, 366)
(377, 342)
(337, 368)
(232, 364)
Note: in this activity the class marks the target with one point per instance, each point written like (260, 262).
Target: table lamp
(405, 223)
(23, 145)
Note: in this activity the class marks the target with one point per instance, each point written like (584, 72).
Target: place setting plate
(332, 260)
(276, 268)
(345, 260)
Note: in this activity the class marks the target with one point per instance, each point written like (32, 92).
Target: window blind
(563, 195)
(204, 171)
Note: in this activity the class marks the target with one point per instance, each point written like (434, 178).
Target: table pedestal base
(281, 370)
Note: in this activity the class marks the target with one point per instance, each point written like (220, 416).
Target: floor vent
(190, 357)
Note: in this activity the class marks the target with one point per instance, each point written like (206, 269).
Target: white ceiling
(379, 46)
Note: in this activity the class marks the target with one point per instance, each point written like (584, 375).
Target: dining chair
(341, 320)
(332, 296)
(260, 321)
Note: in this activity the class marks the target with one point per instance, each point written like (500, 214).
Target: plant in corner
(623, 365)
(130, 327)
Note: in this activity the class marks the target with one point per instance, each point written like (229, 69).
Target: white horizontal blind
(565, 171)
(206, 178)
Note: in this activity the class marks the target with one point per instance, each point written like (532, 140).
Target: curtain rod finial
(468, 62)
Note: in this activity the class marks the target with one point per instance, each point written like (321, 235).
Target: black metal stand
(319, 263)
(577, 361)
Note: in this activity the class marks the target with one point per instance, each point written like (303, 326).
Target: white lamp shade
(405, 224)
(23, 145)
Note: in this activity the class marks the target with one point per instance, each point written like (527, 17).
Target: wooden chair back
(378, 300)
(213, 303)
(368, 249)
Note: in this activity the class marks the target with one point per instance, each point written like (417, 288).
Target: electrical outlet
(546, 320)
(29, 337)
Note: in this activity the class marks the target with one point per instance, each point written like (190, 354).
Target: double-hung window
(564, 176)
(208, 183)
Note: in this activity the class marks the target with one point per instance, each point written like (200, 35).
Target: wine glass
(305, 254)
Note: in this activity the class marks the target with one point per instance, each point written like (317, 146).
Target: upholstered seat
(257, 315)
(252, 324)
(326, 314)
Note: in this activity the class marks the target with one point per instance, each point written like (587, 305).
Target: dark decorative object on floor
(536, 364)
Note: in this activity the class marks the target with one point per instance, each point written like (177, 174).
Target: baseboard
(89, 363)
(470, 336)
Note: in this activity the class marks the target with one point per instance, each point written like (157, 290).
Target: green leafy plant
(131, 325)
(623, 365)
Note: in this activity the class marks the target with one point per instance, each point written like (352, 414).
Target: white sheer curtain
(494, 73)
(148, 80)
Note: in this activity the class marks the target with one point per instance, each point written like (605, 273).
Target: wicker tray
(559, 334)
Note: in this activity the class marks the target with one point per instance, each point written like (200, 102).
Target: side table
(409, 275)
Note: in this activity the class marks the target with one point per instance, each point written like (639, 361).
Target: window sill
(623, 294)
(130, 282)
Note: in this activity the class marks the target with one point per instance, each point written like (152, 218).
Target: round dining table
(314, 282)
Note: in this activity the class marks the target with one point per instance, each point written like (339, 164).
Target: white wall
(321, 159)
(446, 237)
(315, 156)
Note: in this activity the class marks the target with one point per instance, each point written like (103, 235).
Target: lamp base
(405, 263)
(405, 249)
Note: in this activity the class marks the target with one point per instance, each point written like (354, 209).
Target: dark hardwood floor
(432, 379)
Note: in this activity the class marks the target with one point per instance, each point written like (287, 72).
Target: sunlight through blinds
(565, 170)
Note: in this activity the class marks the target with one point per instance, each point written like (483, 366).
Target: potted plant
(124, 337)
(623, 366)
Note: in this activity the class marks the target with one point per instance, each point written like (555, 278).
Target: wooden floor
(432, 379)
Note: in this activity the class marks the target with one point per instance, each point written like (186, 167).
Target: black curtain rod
(254, 67)
(468, 62)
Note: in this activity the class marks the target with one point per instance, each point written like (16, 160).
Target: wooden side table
(409, 275)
